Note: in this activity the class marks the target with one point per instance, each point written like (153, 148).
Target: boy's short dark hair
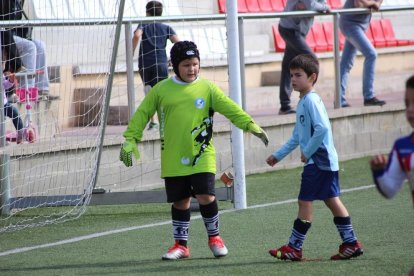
(154, 8)
(308, 63)
(410, 83)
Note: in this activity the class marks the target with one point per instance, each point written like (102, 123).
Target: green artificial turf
(385, 227)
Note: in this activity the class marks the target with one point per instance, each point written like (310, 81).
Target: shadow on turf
(141, 266)
(155, 265)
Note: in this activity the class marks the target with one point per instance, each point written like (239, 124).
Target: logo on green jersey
(185, 161)
(200, 102)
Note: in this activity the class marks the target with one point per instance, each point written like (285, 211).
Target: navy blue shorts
(153, 74)
(317, 184)
(181, 187)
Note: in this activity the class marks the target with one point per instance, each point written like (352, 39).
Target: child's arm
(287, 148)
(136, 39)
(232, 111)
(136, 126)
(174, 38)
(388, 175)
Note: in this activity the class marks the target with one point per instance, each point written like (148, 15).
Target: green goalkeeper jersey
(185, 112)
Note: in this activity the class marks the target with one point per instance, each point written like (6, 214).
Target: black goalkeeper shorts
(181, 187)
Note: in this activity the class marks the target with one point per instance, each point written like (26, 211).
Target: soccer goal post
(240, 198)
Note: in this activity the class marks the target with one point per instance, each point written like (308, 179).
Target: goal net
(78, 118)
(51, 160)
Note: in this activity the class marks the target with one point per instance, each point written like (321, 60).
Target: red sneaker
(177, 251)
(348, 251)
(217, 246)
(286, 253)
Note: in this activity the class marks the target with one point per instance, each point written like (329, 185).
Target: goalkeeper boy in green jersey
(185, 104)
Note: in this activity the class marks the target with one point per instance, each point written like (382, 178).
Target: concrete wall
(66, 160)
(357, 132)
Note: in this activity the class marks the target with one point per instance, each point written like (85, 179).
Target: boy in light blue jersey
(313, 134)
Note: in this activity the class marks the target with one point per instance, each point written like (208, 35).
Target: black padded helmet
(183, 50)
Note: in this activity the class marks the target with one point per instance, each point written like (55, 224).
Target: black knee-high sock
(181, 224)
(300, 228)
(210, 216)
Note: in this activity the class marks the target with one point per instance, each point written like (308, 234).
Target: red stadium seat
(335, 4)
(277, 5)
(242, 7)
(328, 31)
(370, 36)
(222, 6)
(280, 44)
(389, 34)
(310, 39)
(265, 6)
(377, 34)
(252, 6)
(320, 38)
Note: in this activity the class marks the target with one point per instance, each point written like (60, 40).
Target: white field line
(116, 231)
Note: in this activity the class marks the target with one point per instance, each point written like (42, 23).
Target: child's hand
(271, 160)
(303, 158)
(378, 162)
(128, 149)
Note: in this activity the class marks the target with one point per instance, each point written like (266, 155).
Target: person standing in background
(353, 26)
(294, 30)
(152, 59)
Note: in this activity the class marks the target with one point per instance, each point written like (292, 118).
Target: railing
(127, 22)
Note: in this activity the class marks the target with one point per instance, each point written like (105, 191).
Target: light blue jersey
(313, 134)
